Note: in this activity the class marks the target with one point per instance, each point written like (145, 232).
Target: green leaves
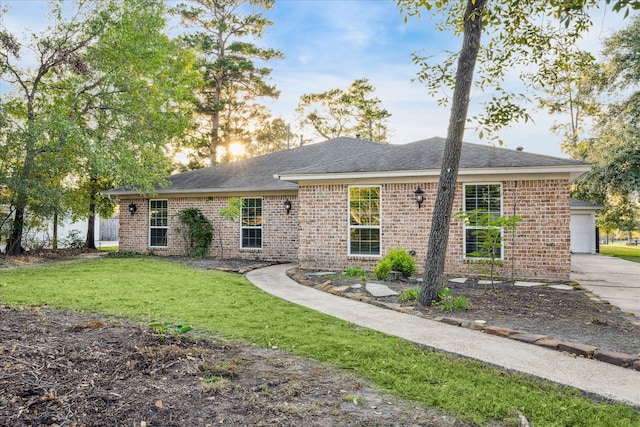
(352, 112)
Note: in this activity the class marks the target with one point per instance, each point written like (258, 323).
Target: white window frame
(351, 227)
(474, 227)
(251, 227)
(159, 227)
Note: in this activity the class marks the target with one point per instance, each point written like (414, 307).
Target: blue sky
(329, 43)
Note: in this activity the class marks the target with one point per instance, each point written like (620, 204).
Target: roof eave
(574, 171)
(172, 191)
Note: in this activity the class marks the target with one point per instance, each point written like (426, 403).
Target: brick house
(345, 202)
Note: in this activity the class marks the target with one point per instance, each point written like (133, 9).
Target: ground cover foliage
(225, 306)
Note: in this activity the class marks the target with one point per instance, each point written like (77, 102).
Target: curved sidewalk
(593, 377)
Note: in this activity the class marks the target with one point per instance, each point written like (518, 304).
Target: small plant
(398, 260)
(489, 238)
(447, 302)
(355, 272)
(354, 399)
(411, 294)
(161, 329)
(215, 383)
(74, 240)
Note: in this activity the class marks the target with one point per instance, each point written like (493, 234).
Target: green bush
(197, 231)
(383, 268)
(399, 260)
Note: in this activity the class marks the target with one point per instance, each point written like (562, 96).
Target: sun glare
(236, 149)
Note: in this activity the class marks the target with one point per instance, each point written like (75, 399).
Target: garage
(583, 227)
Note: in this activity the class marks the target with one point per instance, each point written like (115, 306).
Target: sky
(328, 44)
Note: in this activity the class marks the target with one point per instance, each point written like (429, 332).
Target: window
(482, 199)
(364, 221)
(251, 225)
(158, 222)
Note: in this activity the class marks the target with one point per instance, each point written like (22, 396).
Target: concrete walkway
(613, 279)
(591, 376)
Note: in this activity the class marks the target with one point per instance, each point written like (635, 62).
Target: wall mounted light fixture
(287, 205)
(419, 194)
(133, 208)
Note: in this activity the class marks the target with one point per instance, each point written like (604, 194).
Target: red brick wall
(279, 230)
(541, 239)
(316, 231)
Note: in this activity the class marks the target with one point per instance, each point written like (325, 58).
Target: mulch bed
(566, 315)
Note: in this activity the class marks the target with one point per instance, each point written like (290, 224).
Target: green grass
(630, 253)
(228, 305)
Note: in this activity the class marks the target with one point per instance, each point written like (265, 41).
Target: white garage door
(582, 233)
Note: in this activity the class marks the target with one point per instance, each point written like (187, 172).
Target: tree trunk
(91, 220)
(54, 243)
(14, 241)
(439, 237)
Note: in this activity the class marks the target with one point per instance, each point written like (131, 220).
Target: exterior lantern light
(287, 205)
(132, 208)
(419, 194)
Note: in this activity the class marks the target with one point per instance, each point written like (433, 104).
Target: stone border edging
(624, 360)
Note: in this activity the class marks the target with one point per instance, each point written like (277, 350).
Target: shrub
(399, 260)
(383, 268)
(197, 233)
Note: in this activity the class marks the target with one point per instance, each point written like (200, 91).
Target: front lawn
(228, 305)
(630, 253)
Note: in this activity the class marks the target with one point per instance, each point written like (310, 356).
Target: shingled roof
(342, 157)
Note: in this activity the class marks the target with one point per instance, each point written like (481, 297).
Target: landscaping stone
(324, 285)
(615, 358)
(391, 305)
(379, 290)
(577, 348)
(452, 321)
(320, 273)
(339, 290)
(528, 284)
(406, 310)
(488, 282)
(636, 365)
(562, 287)
(548, 343)
(500, 331)
(528, 338)
(470, 324)
(459, 280)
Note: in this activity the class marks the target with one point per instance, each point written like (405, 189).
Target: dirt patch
(566, 315)
(60, 368)
(65, 369)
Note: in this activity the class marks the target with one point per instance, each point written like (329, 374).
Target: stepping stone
(459, 280)
(320, 274)
(378, 290)
(562, 287)
(356, 286)
(488, 282)
(528, 284)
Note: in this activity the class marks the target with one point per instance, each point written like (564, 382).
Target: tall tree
(607, 94)
(96, 111)
(37, 127)
(519, 33)
(337, 112)
(228, 62)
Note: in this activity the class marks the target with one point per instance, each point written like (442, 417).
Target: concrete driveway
(612, 279)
